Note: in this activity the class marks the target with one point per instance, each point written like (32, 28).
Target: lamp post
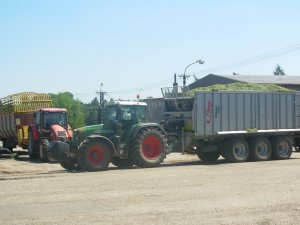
(101, 103)
(200, 61)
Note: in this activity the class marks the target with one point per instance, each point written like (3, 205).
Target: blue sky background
(135, 47)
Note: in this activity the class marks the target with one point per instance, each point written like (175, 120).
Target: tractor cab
(124, 113)
(45, 118)
(49, 124)
(49, 121)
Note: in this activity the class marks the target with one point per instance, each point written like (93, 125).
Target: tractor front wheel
(93, 155)
(43, 150)
(148, 148)
(32, 149)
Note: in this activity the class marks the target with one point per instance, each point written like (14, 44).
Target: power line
(278, 53)
(147, 87)
(256, 59)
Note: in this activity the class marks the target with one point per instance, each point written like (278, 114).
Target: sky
(134, 47)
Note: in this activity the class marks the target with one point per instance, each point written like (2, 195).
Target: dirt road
(182, 191)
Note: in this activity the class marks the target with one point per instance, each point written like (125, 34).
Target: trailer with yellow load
(28, 120)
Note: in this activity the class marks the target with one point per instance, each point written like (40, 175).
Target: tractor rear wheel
(32, 146)
(148, 148)
(122, 163)
(93, 155)
(43, 150)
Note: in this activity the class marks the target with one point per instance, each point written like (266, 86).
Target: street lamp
(200, 61)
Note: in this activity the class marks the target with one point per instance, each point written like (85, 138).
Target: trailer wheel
(148, 148)
(208, 156)
(94, 155)
(282, 147)
(236, 150)
(122, 163)
(32, 146)
(260, 149)
(205, 156)
(43, 150)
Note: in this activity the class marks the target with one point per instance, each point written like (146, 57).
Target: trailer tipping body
(220, 113)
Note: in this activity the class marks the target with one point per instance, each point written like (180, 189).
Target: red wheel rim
(96, 154)
(151, 147)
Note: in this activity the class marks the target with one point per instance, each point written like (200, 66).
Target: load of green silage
(241, 87)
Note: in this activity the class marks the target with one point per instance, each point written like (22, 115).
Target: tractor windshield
(125, 113)
(54, 118)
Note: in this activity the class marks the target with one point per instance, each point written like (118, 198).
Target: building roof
(265, 79)
(212, 79)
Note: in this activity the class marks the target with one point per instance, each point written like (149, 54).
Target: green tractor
(123, 139)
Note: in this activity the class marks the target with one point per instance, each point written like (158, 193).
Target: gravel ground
(184, 190)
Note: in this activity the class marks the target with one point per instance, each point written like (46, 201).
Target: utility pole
(101, 103)
(184, 76)
(175, 85)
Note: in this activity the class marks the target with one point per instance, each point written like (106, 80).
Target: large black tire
(93, 155)
(122, 163)
(32, 146)
(148, 148)
(260, 149)
(282, 147)
(70, 166)
(236, 150)
(43, 150)
(207, 156)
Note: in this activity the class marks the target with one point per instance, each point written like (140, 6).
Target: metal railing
(25, 102)
(175, 92)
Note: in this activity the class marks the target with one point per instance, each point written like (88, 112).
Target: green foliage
(74, 106)
(278, 71)
(251, 130)
(91, 112)
(240, 87)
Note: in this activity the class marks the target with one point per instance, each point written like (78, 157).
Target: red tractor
(49, 124)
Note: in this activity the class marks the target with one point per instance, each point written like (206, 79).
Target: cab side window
(38, 119)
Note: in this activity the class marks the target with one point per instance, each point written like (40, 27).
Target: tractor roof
(126, 103)
(53, 110)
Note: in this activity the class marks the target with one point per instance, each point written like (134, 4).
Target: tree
(278, 71)
(91, 111)
(74, 106)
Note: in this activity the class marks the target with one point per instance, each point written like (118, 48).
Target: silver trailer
(217, 113)
(240, 126)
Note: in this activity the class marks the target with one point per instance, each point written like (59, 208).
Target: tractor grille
(61, 134)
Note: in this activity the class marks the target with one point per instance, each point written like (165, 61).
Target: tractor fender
(147, 125)
(70, 132)
(103, 139)
(35, 132)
